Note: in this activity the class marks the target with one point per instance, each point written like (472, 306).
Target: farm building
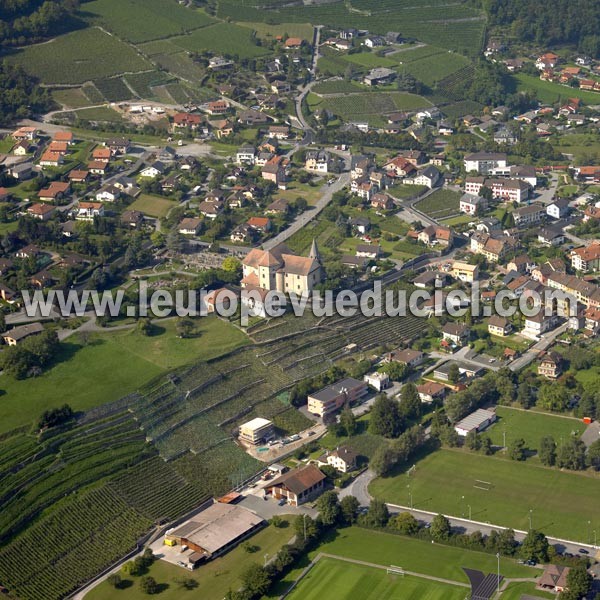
(16, 334)
(214, 531)
(477, 421)
(256, 431)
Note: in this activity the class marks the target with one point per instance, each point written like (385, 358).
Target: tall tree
(547, 451)
(385, 417)
(440, 528)
(328, 506)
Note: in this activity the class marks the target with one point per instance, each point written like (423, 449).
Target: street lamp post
(530, 519)
(588, 535)
(410, 497)
(470, 512)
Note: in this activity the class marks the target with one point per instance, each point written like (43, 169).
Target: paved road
(535, 350)
(307, 216)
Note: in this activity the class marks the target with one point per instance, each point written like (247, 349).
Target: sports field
(499, 491)
(332, 579)
(79, 56)
(532, 426)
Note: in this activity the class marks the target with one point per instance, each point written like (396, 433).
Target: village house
(558, 208)
(379, 76)
(86, 211)
(586, 259)
(261, 224)
(430, 391)
(78, 176)
(382, 201)
(183, 120)
(408, 357)
(529, 215)
(317, 161)
(18, 334)
(43, 212)
(472, 204)
(456, 333)
(108, 193)
(190, 226)
(51, 159)
(275, 172)
(118, 145)
(429, 177)
(25, 133)
(377, 380)
(154, 170)
(97, 167)
(55, 191)
(297, 486)
(21, 171)
(485, 162)
(342, 459)
(551, 236)
(464, 271)
(436, 235)
(539, 324)
(550, 365)
(211, 210)
(499, 326)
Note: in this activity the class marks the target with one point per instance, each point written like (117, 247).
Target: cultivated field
(433, 67)
(369, 107)
(143, 20)
(332, 579)
(532, 426)
(440, 204)
(441, 22)
(225, 38)
(562, 502)
(79, 56)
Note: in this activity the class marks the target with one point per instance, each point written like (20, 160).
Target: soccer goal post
(394, 570)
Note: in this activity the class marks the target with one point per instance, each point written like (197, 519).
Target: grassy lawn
(166, 350)
(516, 590)
(100, 113)
(417, 555)
(332, 579)
(79, 56)
(154, 206)
(589, 377)
(109, 366)
(562, 502)
(547, 91)
(214, 579)
(301, 190)
(532, 426)
(455, 221)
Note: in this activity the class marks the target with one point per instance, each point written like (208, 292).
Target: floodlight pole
(530, 518)
(470, 512)
(498, 557)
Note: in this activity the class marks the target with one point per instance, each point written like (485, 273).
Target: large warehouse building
(214, 531)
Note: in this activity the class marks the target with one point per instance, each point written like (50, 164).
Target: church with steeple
(281, 269)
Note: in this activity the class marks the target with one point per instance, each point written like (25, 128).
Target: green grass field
(532, 426)
(549, 92)
(265, 30)
(71, 98)
(416, 555)
(332, 579)
(79, 56)
(515, 591)
(154, 206)
(214, 579)
(109, 366)
(143, 20)
(562, 501)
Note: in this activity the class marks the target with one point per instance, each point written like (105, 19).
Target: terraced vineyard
(77, 540)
